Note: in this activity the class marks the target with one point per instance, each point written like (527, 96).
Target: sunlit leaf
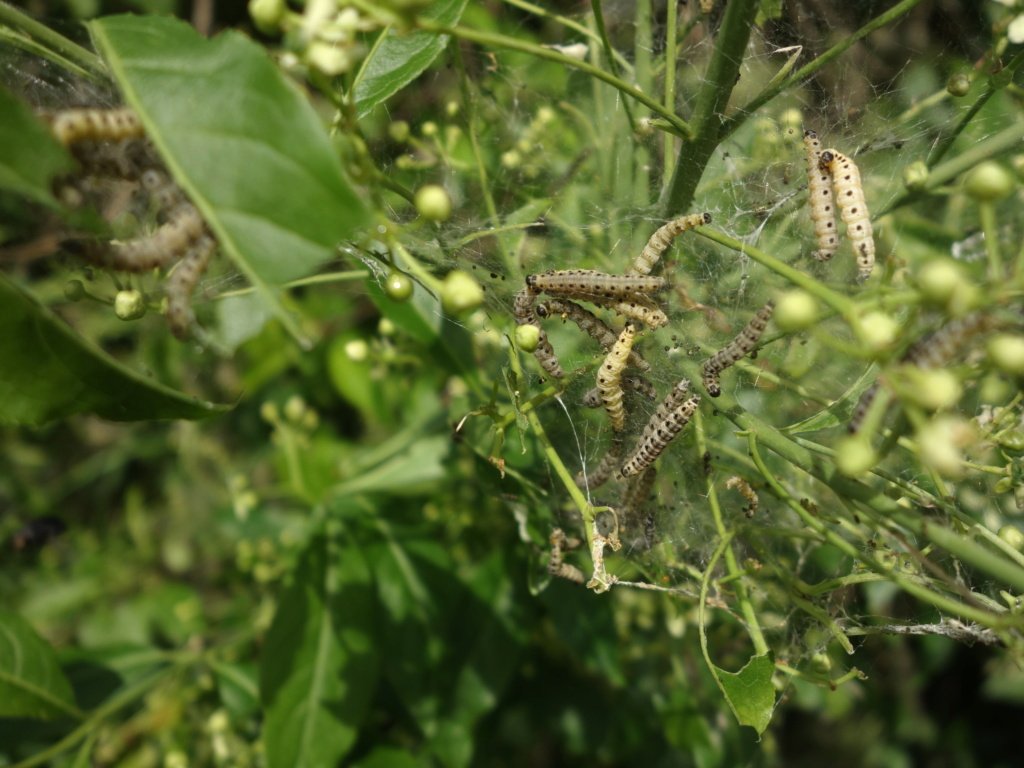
(399, 57)
(241, 140)
(32, 683)
(49, 372)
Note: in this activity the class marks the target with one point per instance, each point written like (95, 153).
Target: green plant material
(750, 692)
(319, 665)
(412, 471)
(398, 57)
(29, 155)
(50, 44)
(211, 104)
(32, 683)
(49, 372)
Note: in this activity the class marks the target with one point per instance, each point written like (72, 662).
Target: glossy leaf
(49, 372)
(32, 683)
(29, 155)
(750, 692)
(244, 143)
(399, 57)
(319, 665)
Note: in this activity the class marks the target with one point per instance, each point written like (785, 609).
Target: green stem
(835, 51)
(706, 123)
(606, 46)
(21, 22)
(668, 144)
(502, 41)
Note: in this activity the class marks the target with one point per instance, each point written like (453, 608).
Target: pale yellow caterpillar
(584, 283)
(523, 312)
(735, 349)
(662, 239)
(183, 281)
(166, 245)
(589, 323)
(609, 378)
(556, 565)
(74, 125)
(604, 469)
(637, 308)
(592, 398)
(652, 446)
(823, 212)
(853, 209)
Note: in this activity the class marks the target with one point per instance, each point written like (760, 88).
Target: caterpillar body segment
(662, 239)
(183, 281)
(638, 489)
(672, 401)
(652, 446)
(161, 249)
(823, 211)
(75, 125)
(609, 378)
(852, 208)
(638, 308)
(604, 470)
(867, 397)
(746, 492)
(736, 349)
(592, 398)
(524, 314)
(162, 190)
(589, 323)
(583, 283)
(556, 565)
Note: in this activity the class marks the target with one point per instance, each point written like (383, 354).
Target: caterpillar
(823, 212)
(652, 445)
(637, 308)
(735, 349)
(852, 208)
(609, 378)
(638, 489)
(592, 398)
(604, 469)
(583, 283)
(183, 281)
(524, 314)
(672, 401)
(74, 125)
(745, 491)
(662, 239)
(558, 567)
(589, 323)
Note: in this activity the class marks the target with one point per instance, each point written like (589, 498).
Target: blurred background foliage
(347, 487)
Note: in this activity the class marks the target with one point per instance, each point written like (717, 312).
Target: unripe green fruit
(433, 203)
(1006, 352)
(1012, 439)
(74, 290)
(958, 84)
(915, 176)
(527, 337)
(129, 305)
(295, 409)
(938, 280)
(357, 350)
(854, 456)
(1013, 536)
(399, 131)
(879, 330)
(1005, 485)
(932, 388)
(795, 310)
(988, 182)
(398, 286)
(821, 663)
(267, 15)
(460, 293)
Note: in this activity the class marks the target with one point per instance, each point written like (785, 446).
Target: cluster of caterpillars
(834, 182)
(114, 154)
(630, 295)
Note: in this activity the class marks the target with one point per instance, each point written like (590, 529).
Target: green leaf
(29, 155)
(48, 372)
(212, 106)
(838, 412)
(388, 757)
(413, 471)
(32, 683)
(750, 692)
(399, 57)
(319, 665)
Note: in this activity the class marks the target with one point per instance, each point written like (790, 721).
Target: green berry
(1013, 536)
(267, 15)
(527, 337)
(795, 310)
(74, 290)
(398, 286)
(931, 389)
(854, 456)
(958, 84)
(879, 330)
(1012, 439)
(915, 176)
(1006, 351)
(129, 305)
(399, 131)
(989, 182)
(938, 280)
(460, 293)
(433, 203)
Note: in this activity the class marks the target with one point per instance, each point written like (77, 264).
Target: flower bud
(958, 84)
(1006, 351)
(129, 305)
(795, 310)
(433, 203)
(988, 182)
(460, 293)
(398, 286)
(527, 337)
(74, 290)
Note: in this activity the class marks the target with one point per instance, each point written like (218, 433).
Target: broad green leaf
(29, 155)
(388, 757)
(400, 57)
(243, 142)
(838, 412)
(32, 683)
(319, 665)
(411, 472)
(750, 692)
(48, 372)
